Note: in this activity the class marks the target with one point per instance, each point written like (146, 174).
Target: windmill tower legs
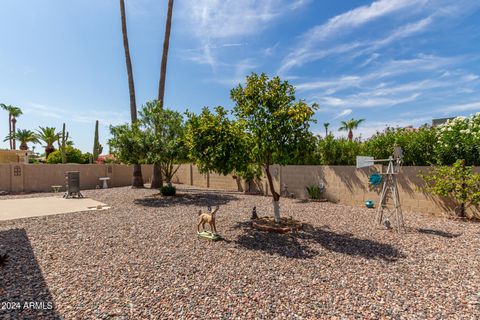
(389, 191)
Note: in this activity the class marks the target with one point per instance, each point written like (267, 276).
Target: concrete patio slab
(35, 207)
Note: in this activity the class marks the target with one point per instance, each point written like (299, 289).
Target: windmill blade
(364, 161)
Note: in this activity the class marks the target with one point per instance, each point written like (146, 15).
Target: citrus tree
(216, 143)
(277, 125)
(268, 126)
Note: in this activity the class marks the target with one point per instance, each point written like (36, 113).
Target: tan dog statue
(207, 217)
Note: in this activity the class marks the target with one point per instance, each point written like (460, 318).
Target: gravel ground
(141, 259)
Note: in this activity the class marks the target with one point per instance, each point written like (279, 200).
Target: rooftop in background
(439, 121)
(14, 156)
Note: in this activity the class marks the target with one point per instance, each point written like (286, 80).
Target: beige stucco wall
(17, 177)
(344, 184)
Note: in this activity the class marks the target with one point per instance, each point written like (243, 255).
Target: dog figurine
(207, 217)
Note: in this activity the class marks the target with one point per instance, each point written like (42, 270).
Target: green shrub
(314, 192)
(331, 151)
(168, 190)
(457, 182)
(73, 156)
(418, 146)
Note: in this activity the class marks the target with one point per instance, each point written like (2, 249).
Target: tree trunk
(350, 135)
(157, 173)
(10, 130)
(48, 150)
(275, 195)
(14, 141)
(24, 146)
(157, 177)
(166, 44)
(137, 180)
(128, 62)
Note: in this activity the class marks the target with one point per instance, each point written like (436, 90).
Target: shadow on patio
(23, 291)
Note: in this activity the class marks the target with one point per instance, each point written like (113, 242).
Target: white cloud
(227, 19)
(357, 17)
(216, 21)
(307, 49)
(311, 44)
(81, 116)
(344, 113)
(472, 106)
(428, 66)
(240, 70)
(366, 101)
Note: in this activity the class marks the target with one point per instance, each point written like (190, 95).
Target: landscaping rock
(142, 259)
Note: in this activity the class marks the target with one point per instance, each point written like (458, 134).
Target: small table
(56, 188)
(104, 179)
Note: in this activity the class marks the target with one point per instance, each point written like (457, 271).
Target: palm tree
(166, 44)
(13, 113)
(157, 180)
(325, 125)
(24, 137)
(49, 136)
(349, 126)
(137, 181)
(6, 108)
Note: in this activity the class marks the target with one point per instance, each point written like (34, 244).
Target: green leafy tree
(128, 143)
(269, 127)
(164, 131)
(349, 126)
(216, 143)
(49, 136)
(275, 123)
(457, 182)
(24, 137)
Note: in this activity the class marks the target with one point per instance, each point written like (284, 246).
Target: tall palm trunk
(166, 44)
(10, 130)
(157, 180)
(350, 135)
(137, 180)
(14, 129)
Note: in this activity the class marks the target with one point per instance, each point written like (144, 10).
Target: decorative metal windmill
(389, 190)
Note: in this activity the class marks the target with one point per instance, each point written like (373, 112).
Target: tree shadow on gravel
(295, 245)
(23, 291)
(202, 199)
(439, 233)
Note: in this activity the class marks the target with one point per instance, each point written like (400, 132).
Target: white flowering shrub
(459, 139)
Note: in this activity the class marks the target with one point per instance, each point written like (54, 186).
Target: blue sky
(392, 62)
